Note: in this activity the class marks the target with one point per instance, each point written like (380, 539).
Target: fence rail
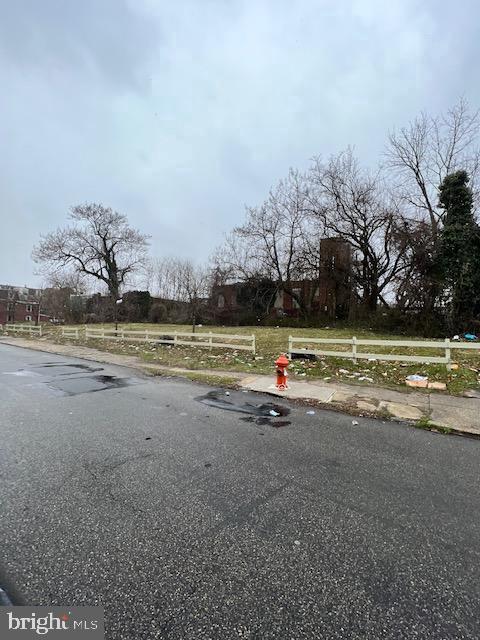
(354, 354)
(71, 332)
(23, 328)
(197, 339)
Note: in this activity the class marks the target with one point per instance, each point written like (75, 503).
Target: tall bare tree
(420, 156)
(351, 203)
(423, 153)
(99, 245)
(278, 241)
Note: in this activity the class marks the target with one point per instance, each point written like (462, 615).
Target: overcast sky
(179, 112)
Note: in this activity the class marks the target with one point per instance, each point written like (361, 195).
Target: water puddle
(261, 414)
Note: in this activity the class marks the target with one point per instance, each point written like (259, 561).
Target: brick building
(19, 304)
(329, 296)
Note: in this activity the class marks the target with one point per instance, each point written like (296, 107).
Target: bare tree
(181, 281)
(278, 241)
(421, 155)
(351, 204)
(66, 279)
(99, 245)
(426, 151)
(57, 291)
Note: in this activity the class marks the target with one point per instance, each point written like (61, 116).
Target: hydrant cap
(282, 361)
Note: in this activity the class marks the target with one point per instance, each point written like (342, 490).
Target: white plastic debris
(310, 413)
(456, 337)
(273, 413)
(354, 422)
(227, 393)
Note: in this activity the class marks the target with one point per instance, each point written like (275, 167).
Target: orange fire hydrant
(282, 363)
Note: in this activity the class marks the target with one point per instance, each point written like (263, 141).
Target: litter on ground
(416, 381)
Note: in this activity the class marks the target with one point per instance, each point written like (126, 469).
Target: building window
(221, 301)
(29, 308)
(28, 318)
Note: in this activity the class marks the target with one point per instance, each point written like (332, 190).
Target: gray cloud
(180, 113)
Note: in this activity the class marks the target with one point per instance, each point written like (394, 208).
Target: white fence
(23, 328)
(354, 354)
(71, 332)
(197, 339)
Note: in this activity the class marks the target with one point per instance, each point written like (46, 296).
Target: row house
(19, 304)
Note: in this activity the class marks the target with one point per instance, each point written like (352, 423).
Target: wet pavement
(174, 507)
(262, 413)
(68, 378)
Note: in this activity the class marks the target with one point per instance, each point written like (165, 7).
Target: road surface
(186, 520)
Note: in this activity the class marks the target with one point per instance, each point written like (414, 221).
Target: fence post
(290, 345)
(210, 340)
(103, 332)
(448, 356)
(253, 344)
(174, 338)
(354, 349)
(40, 330)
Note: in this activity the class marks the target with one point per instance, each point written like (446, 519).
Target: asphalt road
(185, 520)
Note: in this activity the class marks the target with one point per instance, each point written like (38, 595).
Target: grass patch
(428, 425)
(204, 378)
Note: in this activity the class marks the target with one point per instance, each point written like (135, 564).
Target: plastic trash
(274, 413)
(470, 336)
(310, 413)
(227, 393)
(416, 381)
(354, 422)
(456, 337)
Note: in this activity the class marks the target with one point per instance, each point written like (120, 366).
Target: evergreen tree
(458, 260)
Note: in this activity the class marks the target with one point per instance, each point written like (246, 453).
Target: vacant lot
(271, 341)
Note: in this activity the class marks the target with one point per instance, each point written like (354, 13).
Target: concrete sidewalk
(453, 412)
